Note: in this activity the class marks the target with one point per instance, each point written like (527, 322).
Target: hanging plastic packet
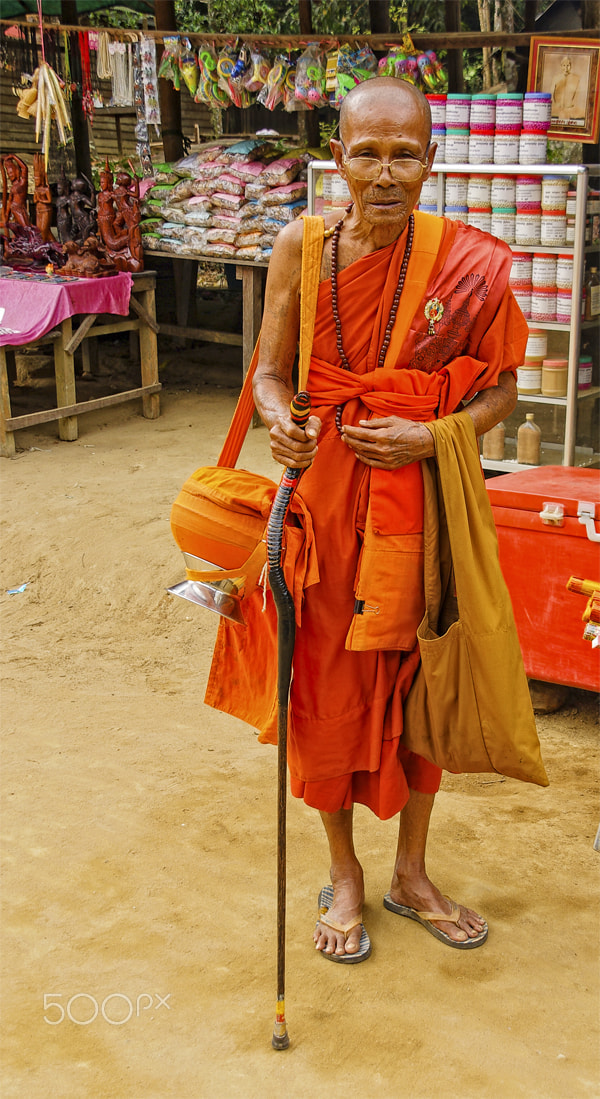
(311, 77)
(225, 66)
(237, 86)
(431, 71)
(208, 90)
(188, 66)
(272, 93)
(169, 62)
(290, 103)
(258, 72)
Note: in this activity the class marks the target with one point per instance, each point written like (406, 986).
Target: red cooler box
(548, 530)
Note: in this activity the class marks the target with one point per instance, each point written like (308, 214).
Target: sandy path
(139, 838)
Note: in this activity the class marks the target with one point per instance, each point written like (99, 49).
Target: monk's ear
(338, 154)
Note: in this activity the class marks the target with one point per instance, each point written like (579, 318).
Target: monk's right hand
(292, 445)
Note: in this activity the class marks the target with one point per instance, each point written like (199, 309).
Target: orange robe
(345, 715)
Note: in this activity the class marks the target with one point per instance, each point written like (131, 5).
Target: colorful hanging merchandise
(352, 67)
(45, 102)
(121, 62)
(209, 90)
(188, 65)
(148, 55)
(169, 62)
(141, 126)
(87, 97)
(272, 93)
(311, 76)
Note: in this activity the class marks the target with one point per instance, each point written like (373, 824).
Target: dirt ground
(139, 831)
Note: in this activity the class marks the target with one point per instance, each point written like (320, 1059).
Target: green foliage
(117, 17)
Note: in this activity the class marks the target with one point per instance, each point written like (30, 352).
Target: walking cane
(286, 633)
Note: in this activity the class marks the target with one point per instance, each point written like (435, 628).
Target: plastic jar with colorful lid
(506, 146)
(522, 269)
(529, 379)
(537, 111)
(543, 305)
(571, 203)
(437, 106)
(570, 235)
(479, 191)
(480, 219)
(483, 111)
(543, 271)
(503, 192)
(522, 295)
(528, 192)
(564, 272)
(503, 223)
(564, 303)
(457, 145)
(537, 344)
(527, 227)
(428, 207)
(553, 228)
(438, 137)
(457, 213)
(554, 378)
(584, 376)
(593, 202)
(457, 186)
(554, 193)
(458, 110)
(533, 148)
(481, 147)
(509, 110)
(429, 190)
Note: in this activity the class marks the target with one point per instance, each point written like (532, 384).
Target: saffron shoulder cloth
(469, 708)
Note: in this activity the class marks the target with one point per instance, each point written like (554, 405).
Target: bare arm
(273, 391)
(393, 442)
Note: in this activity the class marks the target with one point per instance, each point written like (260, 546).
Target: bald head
(390, 95)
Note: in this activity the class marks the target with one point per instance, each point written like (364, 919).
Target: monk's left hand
(389, 443)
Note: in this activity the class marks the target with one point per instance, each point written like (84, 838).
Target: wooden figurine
(42, 198)
(119, 219)
(14, 192)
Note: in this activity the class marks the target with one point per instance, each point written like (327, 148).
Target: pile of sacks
(227, 201)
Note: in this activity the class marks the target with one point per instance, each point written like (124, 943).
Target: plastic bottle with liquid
(529, 441)
(493, 443)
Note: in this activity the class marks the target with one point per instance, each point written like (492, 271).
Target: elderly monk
(414, 316)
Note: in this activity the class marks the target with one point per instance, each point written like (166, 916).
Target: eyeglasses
(403, 170)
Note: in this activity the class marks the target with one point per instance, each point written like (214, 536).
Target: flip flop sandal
(424, 918)
(364, 946)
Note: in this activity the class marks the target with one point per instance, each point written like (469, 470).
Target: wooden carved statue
(63, 209)
(14, 192)
(42, 198)
(119, 219)
(87, 260)
(82, 205)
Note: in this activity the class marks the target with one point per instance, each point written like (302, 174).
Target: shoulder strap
(312, 248)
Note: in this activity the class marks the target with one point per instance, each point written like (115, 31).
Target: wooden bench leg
(149, 356)
(64, 370)
(7, 438)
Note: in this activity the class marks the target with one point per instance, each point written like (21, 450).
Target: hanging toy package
(432, 72)
(225, 66)
(238, 92)
(311, 77)
(258, 72)
(272, 93)
(290, 103)
(208, 90)
(353, 67)
(188, 66)
(169, 62)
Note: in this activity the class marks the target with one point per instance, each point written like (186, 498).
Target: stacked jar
(529, 376)
(437, 106)
(520, 281)
(533, 142)
(553, 224)
(528, 200)
(504, 210)
(592, 225)
(543, 287)
(482, 125)
(429, 194)
(509, 121)
(456, 197)
(458, 115)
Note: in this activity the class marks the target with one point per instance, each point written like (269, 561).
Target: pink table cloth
(32, 304)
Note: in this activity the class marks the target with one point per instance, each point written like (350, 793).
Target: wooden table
(185, 273)
(66, 342)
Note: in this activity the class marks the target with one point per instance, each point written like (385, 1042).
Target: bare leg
(410, 884)
(348, 888)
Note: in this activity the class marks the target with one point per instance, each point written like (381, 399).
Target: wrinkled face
(388, 127)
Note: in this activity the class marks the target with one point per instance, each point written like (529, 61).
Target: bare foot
(420, 893)
(348, 897)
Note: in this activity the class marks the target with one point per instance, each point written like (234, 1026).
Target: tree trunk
(379, 16)
(81, 136)
(456, 80)
(169, 99)
(484, 24)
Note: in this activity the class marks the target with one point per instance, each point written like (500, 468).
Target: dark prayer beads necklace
(393, 311)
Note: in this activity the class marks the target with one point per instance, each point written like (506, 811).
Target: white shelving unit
(571, 454)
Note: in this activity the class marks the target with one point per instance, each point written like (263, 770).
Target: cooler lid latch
(586, 514)
(553, 515)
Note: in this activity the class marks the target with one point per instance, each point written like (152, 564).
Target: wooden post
(7, 438)
(530, 14)
(379, 16)
(64, 369)
(169, 99)
(456, 80)
(148, 348)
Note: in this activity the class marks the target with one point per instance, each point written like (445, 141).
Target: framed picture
(569, 69)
